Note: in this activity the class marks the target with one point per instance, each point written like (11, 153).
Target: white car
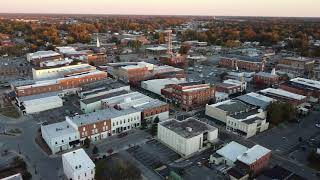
(318, 125)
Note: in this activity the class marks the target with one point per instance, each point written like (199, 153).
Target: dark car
(122, 135)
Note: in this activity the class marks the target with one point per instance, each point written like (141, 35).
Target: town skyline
(271, 8)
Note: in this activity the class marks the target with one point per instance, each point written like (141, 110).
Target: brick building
(73, 81)
(231, 86)
(284, 96)
(266, 79)
(189, 95)
(298, 66)
(306, 87)
(140, 71)
(243, 62)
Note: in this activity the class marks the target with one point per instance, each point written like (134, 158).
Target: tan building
(297, 66)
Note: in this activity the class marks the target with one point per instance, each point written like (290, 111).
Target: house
(186, 137)
(77, 165)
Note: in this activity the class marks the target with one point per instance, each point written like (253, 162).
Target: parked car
(122, 135)
(318, 125)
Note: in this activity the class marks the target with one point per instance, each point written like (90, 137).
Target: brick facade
(242, 64)
(95, 129)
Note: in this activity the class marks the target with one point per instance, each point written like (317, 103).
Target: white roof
(232, 150)
(79, 160)
(42, 54)
(59, 129)
(162, 82)
(253, 154)
(283, 93)
(260, 97)
(13, 177)
(158, 48)
(307, 82)
(66, 49)
(232, 81)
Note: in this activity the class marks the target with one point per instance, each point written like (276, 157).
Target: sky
(296, 8)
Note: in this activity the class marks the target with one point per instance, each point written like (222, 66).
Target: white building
(40, 102)
(42, 73)
(228, 154)
(156, 85)
(41, 54)
(242, 84)
(239, 117)
(221, 96)
(60, 136)
(186, 137)
(77, 165)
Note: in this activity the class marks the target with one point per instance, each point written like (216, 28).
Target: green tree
(279, 112)
(154, 128)
(95, 150)
(86, 143)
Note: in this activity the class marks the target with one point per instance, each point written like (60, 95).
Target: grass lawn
(10, 111)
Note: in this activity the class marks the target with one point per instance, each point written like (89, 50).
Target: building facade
(77, 165)
(189, 95)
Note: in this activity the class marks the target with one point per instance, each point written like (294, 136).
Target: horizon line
(193, 15)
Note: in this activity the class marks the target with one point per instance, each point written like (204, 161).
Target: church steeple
(98, 42)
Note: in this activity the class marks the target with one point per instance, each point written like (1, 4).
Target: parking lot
(155, 156)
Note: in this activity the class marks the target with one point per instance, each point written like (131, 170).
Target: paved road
(47, 167)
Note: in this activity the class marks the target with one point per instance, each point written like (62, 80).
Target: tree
(184, 49)
(154, 128)
(118, 58)
(95, 150)
(86, 143)
(278, 112)
(223, 75)
(116, 168)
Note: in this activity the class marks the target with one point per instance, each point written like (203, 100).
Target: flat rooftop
(104, 96)
(253, 154)
(307, 82)
(232, 150)
(79, 160)
(282, 94)
(256, 99)
(101, 115)
(298, 59)
(59, 129)
(232, 106)
(265, 74)
(181, 127)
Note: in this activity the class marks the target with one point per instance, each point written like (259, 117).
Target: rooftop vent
(189, 129)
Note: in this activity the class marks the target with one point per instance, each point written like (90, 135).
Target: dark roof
(105, 96)
(237, 173)
(190, 83)
(244, 58)
(300, 86)
(279, 173)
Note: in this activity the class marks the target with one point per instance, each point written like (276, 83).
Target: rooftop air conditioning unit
(189, 129)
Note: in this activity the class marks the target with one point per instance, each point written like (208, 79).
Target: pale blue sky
(165, 7)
